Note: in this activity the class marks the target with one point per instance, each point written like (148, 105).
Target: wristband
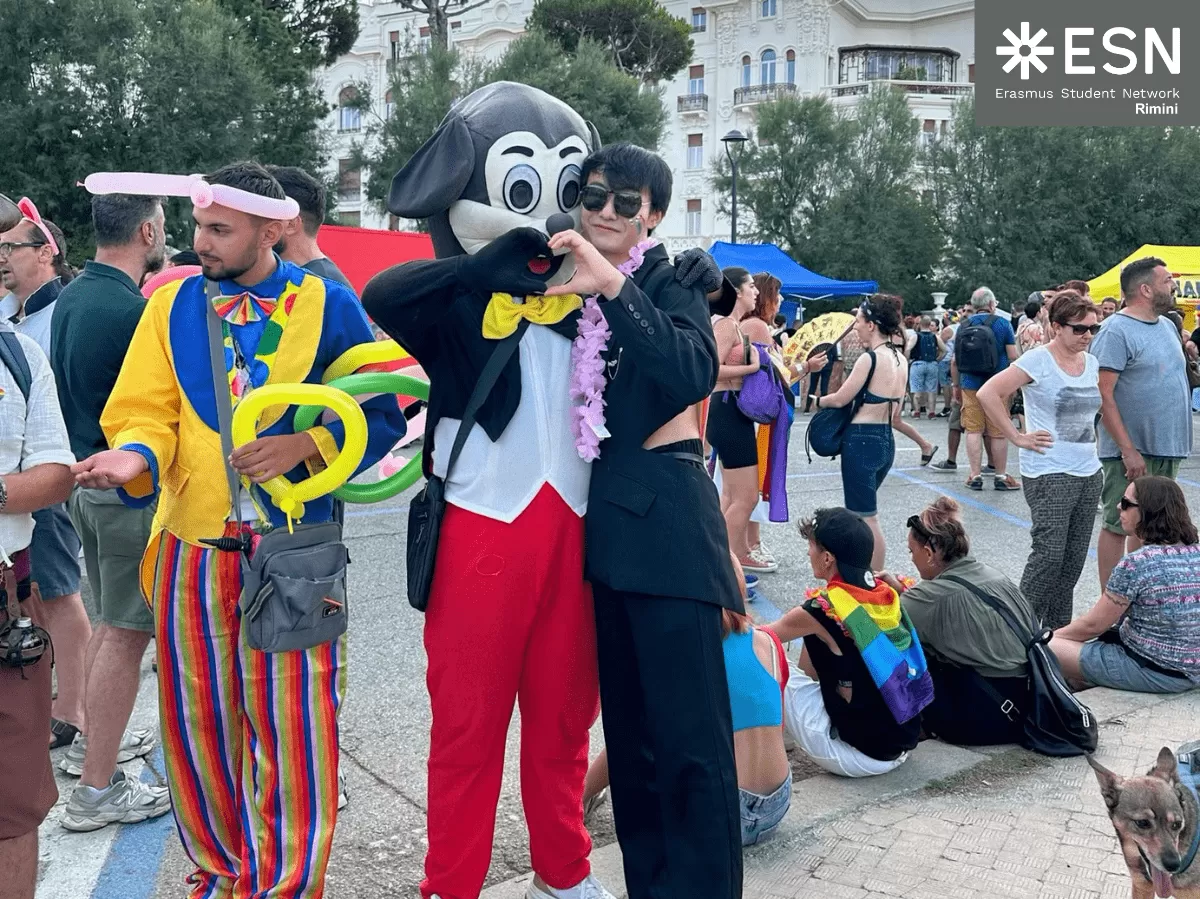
(3, 494)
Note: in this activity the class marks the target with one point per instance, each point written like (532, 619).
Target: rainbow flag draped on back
(887, 641)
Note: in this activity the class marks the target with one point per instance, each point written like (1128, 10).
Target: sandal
(926, 458)
(62, 733)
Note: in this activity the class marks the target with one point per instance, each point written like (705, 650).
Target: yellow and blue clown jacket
(163, 405)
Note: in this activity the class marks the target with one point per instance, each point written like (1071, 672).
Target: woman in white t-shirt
(1060, 469)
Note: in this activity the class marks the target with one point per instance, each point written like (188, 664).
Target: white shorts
(807, 722)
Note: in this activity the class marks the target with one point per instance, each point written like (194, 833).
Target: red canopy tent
(361, 253)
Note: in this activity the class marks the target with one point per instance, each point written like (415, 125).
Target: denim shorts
(867, 454)
(1109, 665)
(923, 377)
(944, 379)
(761, 814)
(54, 552)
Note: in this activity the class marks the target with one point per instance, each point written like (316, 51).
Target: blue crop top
(755, 697)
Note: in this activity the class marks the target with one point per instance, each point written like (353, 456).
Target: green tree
(438, 13)
(640, 36)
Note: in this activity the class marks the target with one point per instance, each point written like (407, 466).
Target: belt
(687, 451)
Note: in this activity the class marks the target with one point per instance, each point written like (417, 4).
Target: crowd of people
(115, 382)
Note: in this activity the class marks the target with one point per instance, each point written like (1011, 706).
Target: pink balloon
(167, 276)
(201, 193)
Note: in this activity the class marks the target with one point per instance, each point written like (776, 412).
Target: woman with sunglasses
(1154, 596)
(878, 383)
(1060, 469)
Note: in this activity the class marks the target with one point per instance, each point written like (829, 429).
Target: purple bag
(758, 399)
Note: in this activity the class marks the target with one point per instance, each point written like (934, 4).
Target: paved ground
(379, 845)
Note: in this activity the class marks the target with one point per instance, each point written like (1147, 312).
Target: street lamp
(731, 140)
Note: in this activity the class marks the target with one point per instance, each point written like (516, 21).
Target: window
(696, 80)
(350, 219)
(767, 76)
(389, 105)
(896, 63)
(695, 154)
(693, 224)
(699, 20)
(745, 71)
(349, 180)
(349, 117)
(423, 39)
(791, 67)
(971, 73)
(394, 43)
(768, 9)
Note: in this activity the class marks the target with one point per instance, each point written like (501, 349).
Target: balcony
(762, 93)
(692, 103)
(949, 89)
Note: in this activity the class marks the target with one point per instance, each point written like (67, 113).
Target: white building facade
(746, 52)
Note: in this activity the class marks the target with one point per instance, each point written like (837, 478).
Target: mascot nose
(560, 221)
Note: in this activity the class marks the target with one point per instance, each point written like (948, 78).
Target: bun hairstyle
(941, 530)
(881, 311)
(1069, 306)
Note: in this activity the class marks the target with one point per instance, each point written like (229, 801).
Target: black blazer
(654, 523)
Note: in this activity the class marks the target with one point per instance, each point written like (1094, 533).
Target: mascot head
(506, 156)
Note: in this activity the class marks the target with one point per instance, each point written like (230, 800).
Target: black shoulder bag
(1056, 722)
(427, 508)
(828, 427)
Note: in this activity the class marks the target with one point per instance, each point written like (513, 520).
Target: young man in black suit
(657, 551)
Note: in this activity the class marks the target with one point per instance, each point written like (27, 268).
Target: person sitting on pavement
(854, 703)
(756, 670)
(1154, 594)
(975, 659)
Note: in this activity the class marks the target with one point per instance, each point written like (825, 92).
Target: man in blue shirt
(975, 423)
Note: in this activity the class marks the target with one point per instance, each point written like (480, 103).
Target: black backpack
(975, 348)
(1056, 722)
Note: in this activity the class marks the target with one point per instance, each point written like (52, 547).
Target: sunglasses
(1126, 504)
(1080, 330)
(626, 203)
(8, 246)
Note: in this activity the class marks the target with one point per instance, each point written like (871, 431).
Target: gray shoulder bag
(294, 582)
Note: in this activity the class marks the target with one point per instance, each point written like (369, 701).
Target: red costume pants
(510, 618)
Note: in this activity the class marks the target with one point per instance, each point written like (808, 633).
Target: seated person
(1154, 592)
(976, 660)
(756, 670)
(854, 704)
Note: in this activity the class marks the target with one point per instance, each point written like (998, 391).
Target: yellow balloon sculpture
(288, 496)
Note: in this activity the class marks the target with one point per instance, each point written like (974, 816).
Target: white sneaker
(343, 793)
(134, 744)
(588, 888)
(123, 801)
(762, 554)
(762, 561)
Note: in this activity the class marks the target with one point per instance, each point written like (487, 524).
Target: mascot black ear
(436, 175)
(596, 145)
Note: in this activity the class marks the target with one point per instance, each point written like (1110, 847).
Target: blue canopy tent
(797, 280)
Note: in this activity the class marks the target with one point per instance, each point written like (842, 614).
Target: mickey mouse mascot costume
(509, 613)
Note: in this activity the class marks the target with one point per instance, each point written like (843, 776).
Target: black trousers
(964, 713)
(669, 733)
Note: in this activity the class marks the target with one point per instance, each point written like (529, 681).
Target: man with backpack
(925, 350)
(983, 346)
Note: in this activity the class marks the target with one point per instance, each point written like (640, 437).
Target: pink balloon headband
(202, 193)
(30, 214)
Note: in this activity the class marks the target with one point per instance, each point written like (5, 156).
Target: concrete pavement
(379, 846)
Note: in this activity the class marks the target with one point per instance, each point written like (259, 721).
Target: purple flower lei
(587, 365)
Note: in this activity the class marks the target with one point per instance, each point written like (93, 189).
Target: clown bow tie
(503, 312)
(244, 308)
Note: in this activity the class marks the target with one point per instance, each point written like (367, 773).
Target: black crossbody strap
(860, 397)
(1023, 632)
(14, 357)
(487, 380)
(216, 354)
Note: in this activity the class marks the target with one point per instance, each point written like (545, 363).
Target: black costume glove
(504, 265)
(694, 267)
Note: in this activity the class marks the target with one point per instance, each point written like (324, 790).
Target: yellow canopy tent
(1184, 263)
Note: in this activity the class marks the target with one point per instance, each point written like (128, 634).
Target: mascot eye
(568, 188)
(522, 188)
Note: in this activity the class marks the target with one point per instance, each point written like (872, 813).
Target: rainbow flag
(887, 641)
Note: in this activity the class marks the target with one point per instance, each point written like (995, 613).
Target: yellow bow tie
(503, 313)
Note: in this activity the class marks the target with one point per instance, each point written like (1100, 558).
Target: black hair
(1032, 308)
(780, 320)
(881, 311)
(185, 257)
(116, 218)
(736, 275)
(248, 176)
(307, 191)
(628, 167)
(1138, 273)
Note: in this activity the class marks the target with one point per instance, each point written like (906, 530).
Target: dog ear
(596, 144)
(1110, 784)
(434, 178)
(1165, 766)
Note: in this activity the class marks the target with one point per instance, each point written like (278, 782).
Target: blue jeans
(868, 451)
(1109, 665)
(761, 814)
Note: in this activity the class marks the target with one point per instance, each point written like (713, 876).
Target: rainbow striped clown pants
(250, 738)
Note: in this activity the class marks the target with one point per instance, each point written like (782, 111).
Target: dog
(1157, 820)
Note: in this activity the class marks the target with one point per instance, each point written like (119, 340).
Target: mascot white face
(507, 156)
